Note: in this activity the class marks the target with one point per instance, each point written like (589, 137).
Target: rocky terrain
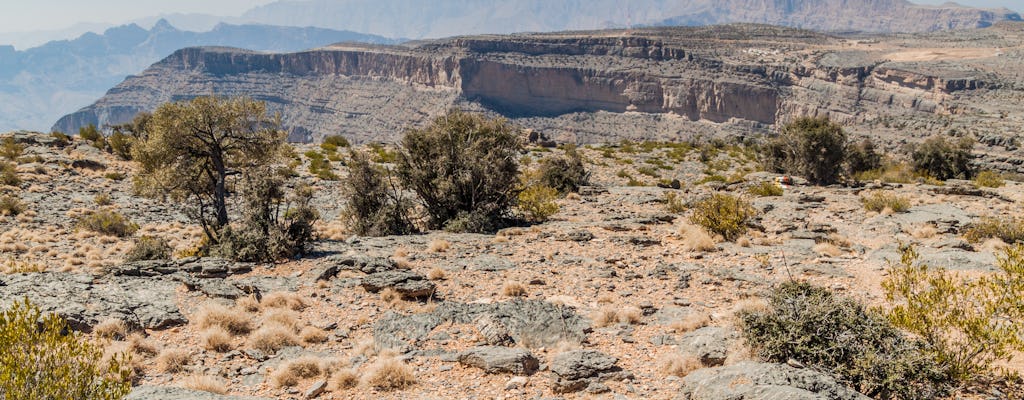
(605, 86)
(599, 302)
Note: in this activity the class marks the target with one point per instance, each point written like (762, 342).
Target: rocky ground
(615, 297)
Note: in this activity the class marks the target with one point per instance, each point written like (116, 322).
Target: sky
(41, 15)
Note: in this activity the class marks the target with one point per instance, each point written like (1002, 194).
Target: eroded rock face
(497, 360)
(761, 381)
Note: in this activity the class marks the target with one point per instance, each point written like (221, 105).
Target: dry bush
(206, 384)
(291, 372)
(630, 315)
(676, 364)
(366, 348)
(390, 374)
(925, 231)
(248, 303)
(390, 296)
(827, 249)
(690, 322)
(217, 339)
(436, 274)
(271, 338)
(344, 379)
(439, 246)
(111, 328)
(285, 318)
(882, 201)
(172, 360)
(141, 345)
(514, 289)
(312, 334)
(214, 314)
(696, 238)
(283, 300)
(604, 317)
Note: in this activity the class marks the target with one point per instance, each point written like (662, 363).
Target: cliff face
(666, 83)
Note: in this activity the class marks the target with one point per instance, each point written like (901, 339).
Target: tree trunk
(220, 191)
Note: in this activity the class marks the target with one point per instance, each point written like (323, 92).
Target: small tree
(566, 173)
(375, 205)
(464, 169)
(810, 147)
(862, 157)
(190, 149)
(42, 359)
(944, 159)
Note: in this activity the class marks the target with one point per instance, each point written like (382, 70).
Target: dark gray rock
(763, 381)
(711, 344)
(581, 369)
(576, 236)
(364, 264)
(494, 332)
(497, 360)
(317, 389)
(409, 284)
(199, 267)
(175, 393)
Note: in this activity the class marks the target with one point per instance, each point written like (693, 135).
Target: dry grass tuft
(248, 303)
(680, 365)
(206, 384)
(604, 317)
(290, 373)
(390, 296)
(111, 328)
(390, 374)
(172, 360)
(437, 274)
(271, 338)
(439, 246)
(283, 300)
(366, 348)
(926, 231)
(140, 345)
(286, 318)
(827, 249)
(690, 322)
(217, 339)
(312, 334)
(214, 314)
(696, 238)
(630, 315)
(344, 379)
(514, 289)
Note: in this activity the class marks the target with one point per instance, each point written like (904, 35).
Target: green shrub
(42, 359)
(944, 159)
(463, 166)
(862, 157)
(897, 173)
(674, 203)
(320, 167)
(838, 335)
(9, 174)
(565, 174)
(149, 248)
(272, 225)
(374, 203)
(336, 141)
(879, 201)
(537, 202)
(989, 179)
(10, 149)
(809, 147)
(120, 145)
(114, 176)
(93, 136)
(108, 223)
(765, 189)
(11, 205)
(102, 199)
(62, 139)
(968, 324)
(1008, 230)
(723, 214)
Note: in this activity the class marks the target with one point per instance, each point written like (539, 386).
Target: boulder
(497, 360)
(409, 284)
(584, 369)
(711, 344)
(750, 380)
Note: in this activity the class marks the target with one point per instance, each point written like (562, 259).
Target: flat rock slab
(84, 300)
(175, 393)
(497, 360)
(763, 381)
(409, 284)
(584, 369)
(198, 267)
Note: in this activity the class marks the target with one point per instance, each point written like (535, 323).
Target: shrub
(765, 189)
(114, 176)
(102, 199)
(320, 166)
(674, 203)
(838, 335)
(217, 339)
(292, 371)
(723, 214)
(375, 205)
(1008, 230)
(269, 339)
(336, 140)
(11, 205)
(989, 179)
(212, 315)
(809, 147)
(173, 360)
(880, 201)
(566, 174)
(968, 324)
(390, 374)
(108, 222)
(862, 157)
(292, 301)
(9, 175)
(537, 202)
(944, 159)
(463, 168)
(43, 359)
(272, 226)
(120, 145)
(149, 248)
(10, 149)
(62, 138)
(93, 136)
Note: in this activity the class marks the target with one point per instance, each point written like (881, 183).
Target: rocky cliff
(666, 83)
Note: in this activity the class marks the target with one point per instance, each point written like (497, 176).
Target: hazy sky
(38, 15)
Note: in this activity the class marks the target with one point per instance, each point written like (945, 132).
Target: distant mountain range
(40, 84)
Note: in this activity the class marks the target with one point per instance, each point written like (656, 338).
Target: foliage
(944, 159)
(1008, 230)
(537, 202)
(723, 214)
(765, 189)
(62, 138)
(674, 203)
(862, 157)
(838, 335)
(108, 222)
(320, 166)
(11, 205)
(336, 141)
(463, 167)
(968, 324)
(93, 136)
(10, 149)
(896, 173)
(273, 225)
(9, 174)
(879, 201)
(43, 360)
(989, 179)
(375, 205)
(124, 135)
(190, 149)
(566, 174)
(809, 147)
(149, 248)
